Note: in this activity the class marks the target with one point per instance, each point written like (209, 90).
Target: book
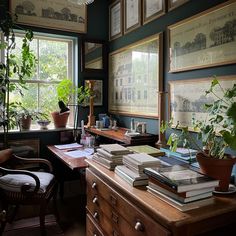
(147, 149)
(105, 163)
(181, 206)
(176, 196)
(181, 178)
(182, 153)
(115, 149)
(141, 159)
(108, 155)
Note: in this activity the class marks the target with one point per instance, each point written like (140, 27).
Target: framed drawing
(52, 14)
(132, 15)
(115, 19)
(153, 9)
(187, 98)
(172, 4)
(135, 78)
(204, 40)
(97, 91)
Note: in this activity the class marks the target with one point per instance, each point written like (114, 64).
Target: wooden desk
(116, 208)
(119, 136)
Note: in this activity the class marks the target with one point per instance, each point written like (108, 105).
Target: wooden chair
(23, 187)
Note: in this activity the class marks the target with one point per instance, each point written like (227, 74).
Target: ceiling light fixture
(81, 2)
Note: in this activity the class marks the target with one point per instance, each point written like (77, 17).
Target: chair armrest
(25, 187)
(34, 160)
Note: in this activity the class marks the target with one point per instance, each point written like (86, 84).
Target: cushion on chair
(13, 182)
(5, 155)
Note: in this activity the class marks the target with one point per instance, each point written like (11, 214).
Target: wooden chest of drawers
(114, 208)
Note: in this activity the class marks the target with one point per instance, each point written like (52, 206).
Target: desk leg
(61, 189)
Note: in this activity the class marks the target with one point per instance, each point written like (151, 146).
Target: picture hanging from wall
(187, 99)
(153, 9)
(115, 19)
(52, 14)
(172, 4)
(132, 15)
(97, 92)
(135, 75)
(204, 40)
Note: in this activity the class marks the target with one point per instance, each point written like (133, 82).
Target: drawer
(140, 223)
(91, 228)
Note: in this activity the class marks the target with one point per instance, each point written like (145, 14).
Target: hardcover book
(147, 149)
(115, 149)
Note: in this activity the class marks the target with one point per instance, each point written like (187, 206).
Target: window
(55, 62)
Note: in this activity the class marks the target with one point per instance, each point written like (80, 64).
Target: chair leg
(42, 219)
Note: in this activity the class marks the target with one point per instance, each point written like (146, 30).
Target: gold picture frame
(204, 40)
(51, 14)
(136, 78)
(132, 15)
(115, 20)
(153, 9)
(186, 104)
(172, 4)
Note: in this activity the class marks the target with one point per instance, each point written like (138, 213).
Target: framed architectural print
(115, 20)
(97, 91)
(52, 14)
(187, 98)
(172, 4)
(135, 78)
(132, 15)
(153, 9)
(204, 40)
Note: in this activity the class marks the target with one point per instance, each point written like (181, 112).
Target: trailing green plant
(12, 67)
(217, 132)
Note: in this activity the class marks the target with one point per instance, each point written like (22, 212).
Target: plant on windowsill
(65, 92)
(10, 68)
(216, 133)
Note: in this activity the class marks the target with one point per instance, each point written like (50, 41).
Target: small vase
(220, 169)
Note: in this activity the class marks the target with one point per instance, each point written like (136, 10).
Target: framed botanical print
(132, 15)
(52, 14)
(204, 40)
(135, 78)
(115, 20)
(153, 9)
(172, 4)
(97, 92)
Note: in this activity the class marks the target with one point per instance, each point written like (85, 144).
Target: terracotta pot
(60, 119)
(24, 123)
(217, 168)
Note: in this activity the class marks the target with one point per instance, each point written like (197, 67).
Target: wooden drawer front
(91, 227)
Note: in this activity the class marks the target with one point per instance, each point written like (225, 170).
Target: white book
(115, 149)
(108, 155)
(142, 159)
(68, 146)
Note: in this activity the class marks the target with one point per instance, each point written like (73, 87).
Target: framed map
(135, 77)
(52, 14)
(204, 40)
(187, 98)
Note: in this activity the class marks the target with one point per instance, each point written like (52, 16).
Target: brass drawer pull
(94, 185)
(113, 200)
(95, 200)
(95, 215)
(94, 234)
(138, 226)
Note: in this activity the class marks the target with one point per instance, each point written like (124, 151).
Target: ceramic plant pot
(25, 123)
(217, 168)
(60, 119)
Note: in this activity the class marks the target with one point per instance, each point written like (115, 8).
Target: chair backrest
(5, 155)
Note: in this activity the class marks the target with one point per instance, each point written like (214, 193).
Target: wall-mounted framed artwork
(204, 40)
(187, 98)
(132, 15)
(115, 20)
(52, 14)
(136, 77)
(172, 4)
(153, 9)
(97, 92)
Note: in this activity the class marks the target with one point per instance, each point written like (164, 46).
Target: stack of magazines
(181, 187)
(134, 164)
(110, 155)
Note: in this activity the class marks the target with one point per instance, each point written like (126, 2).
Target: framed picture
(97, 91)
(115, 19)
(172, 4)
(153, 9)
(204, 40)
(135, 78)
(132, 15)
(52, 14)
(187, 98)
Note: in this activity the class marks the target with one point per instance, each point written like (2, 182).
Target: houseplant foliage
(216, 133)
(11, 67)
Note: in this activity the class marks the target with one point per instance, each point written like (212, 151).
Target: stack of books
(134, 164)
(181, 187)
(147, 149)
(110, 155)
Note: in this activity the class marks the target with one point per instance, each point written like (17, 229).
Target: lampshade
(81, 2)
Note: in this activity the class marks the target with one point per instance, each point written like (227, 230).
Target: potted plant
(65, 92)
(217, 133)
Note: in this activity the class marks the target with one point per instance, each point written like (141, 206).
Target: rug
(30, 226)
